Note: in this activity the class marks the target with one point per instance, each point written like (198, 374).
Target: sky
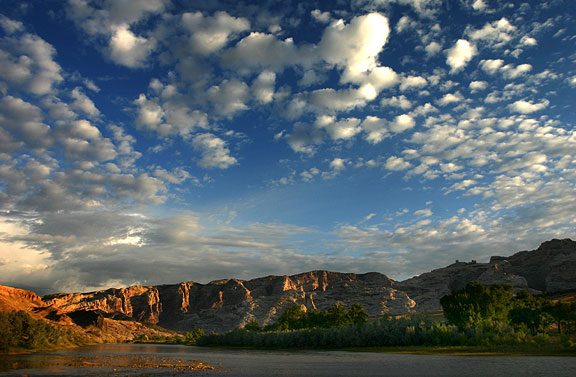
(158, 141)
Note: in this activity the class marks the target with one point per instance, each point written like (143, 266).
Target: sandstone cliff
(226, 304)
(550, 268)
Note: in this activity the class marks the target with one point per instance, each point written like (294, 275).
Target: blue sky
(157, 141)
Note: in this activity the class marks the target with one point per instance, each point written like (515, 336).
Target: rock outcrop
(550, 268)
(226, 304)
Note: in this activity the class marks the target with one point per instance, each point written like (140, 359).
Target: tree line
(475, 316)
(20, 331)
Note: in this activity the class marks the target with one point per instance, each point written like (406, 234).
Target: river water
(152, 360)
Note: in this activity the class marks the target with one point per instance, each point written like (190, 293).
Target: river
(170, 360)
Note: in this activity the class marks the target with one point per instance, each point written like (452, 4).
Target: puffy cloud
(402, 123)
(83, 103)
(413, 82)
(27, 63)
(323, 17)
(24, 121)
(525, 107)
(229, 97)
(150, 114)
(450, 98)
(263, 87)
(476, 86)
(215, 153)
(400, 101)
(491, 66)
(342, 100)
(128, 49)
(262, 51)
(433, 48)
(10, 26)
(496, 34)
(211, 34)
(339, 130)
(396, 164)
(355, 47)
(460, 55)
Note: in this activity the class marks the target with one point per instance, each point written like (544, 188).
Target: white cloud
(339, 130)
(413, 82)
(396, 164)
(476, 86)
(27, 63)
(402, 123)
(400, 102)
(215, 153)
(211, 34)
(83, 103)
(229, 97)
(128, 49)
(262, 51)
(323, 17)
(525, 107)
(355, 47)
(433, 48)
(450, 98)
(495, 34)
(460, 55)
(263, 87)
(10, 26)
(491, 66)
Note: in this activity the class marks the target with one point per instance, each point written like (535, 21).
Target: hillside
(227, 304)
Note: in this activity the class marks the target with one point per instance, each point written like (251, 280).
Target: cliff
(226, 304)
(550, 268)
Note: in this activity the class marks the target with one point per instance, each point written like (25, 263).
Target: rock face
(227, 304)
(550, 268)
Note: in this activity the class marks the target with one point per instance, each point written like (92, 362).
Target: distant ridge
(226, 304)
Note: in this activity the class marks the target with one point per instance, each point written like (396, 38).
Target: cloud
(83, 103)
(396, 164)
(215, 154)
(263, 87)
(460, 55)
(495, 34)
(323, 17)
(27, 63)
(355, 47)
(525, 107)
(476, 86)
(413, 82)
(262, 51)
(229, 97)
(128, 49)
(211, 34)
(450, 98)
(433, 48)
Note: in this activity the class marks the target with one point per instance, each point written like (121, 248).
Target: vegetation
(19, 331)
(295, 318)
(477, 316)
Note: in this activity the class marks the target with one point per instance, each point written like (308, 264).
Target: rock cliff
(226, 304)
(550, 268)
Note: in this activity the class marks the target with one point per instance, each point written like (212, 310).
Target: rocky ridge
(226, 304)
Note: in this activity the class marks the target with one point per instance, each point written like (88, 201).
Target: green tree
(191, 337)
(476, 304)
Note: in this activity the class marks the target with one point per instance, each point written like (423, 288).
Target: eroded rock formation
(226, 304)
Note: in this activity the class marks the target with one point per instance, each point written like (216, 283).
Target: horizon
(143, 142)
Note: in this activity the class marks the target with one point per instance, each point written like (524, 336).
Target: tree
(191, 337)
(476, 304)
